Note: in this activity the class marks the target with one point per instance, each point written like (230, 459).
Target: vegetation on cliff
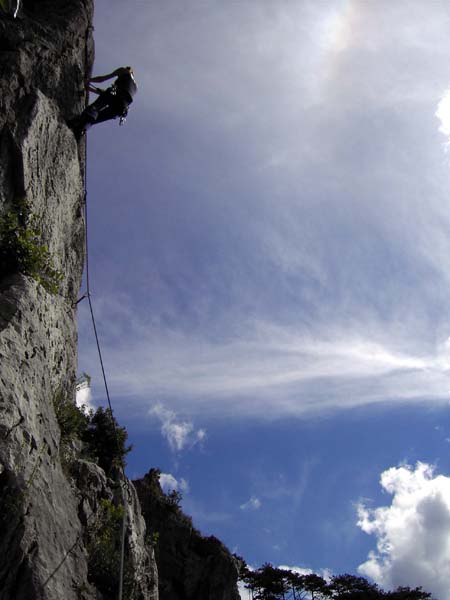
(92, 435)
(22, 249)
(104, 550)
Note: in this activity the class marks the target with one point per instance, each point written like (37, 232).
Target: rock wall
(46, 55)
(190, 566)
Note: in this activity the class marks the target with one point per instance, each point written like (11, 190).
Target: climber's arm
(100, 78)
(96, 90)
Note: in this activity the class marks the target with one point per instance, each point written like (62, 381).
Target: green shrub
(73, 423)
(173, 499)
(153, 539)
(106, 440)
(104, 553)
(72, 420)
(104, 548)
(22, 250)
(103, 441)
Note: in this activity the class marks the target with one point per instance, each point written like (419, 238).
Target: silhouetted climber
(111, 103)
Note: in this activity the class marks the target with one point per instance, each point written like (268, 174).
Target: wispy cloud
(179, 434)
(291, 254)
(412, 533)
(305, 273)
(277, 370)
(253, 503)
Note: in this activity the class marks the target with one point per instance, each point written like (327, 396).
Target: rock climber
(111, 103)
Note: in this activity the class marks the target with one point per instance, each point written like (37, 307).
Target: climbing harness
(123, 118)
(112, 90)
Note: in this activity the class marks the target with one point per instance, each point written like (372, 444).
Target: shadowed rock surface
(190, 566)
(45, 56)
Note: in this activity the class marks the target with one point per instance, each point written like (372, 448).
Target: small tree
(72, 420)
(106, 440)
(104, 553)
(406, 593)
(350, 587)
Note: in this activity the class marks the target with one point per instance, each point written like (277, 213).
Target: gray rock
(40, 161)
(46, 55)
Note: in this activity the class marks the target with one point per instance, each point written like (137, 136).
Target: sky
(270, 273)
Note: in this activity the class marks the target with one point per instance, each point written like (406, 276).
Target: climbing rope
(126, 495)
(125, 487)
(125, 490)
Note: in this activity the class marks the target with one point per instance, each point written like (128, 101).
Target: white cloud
(413, 533)
(168, 483)
(348, 221)
(179, 434)
(277, 370)
(298, 570)
(253, 503)
(325, 573)
(183, 485)
(201, 435)
(84, 398)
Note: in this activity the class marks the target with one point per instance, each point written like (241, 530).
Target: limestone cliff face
(190, 566)
(45, 56)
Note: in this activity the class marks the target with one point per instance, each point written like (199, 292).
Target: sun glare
(443, 114)
(334, 32)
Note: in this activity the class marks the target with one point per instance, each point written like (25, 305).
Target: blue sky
(269, 254)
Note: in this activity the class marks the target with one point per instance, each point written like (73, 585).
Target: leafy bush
(73, 423)
(103, 441)
(174, 498)
(106, 441)
(72, 420)
(153, 539)
(104, 552)
(104, 548)
(22, 250)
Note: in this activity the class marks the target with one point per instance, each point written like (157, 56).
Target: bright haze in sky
(270, 270)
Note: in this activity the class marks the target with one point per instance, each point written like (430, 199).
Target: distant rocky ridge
(46, 513)
(190, 566)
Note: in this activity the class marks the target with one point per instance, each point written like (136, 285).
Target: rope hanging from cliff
(125, 490)
(125, 487)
